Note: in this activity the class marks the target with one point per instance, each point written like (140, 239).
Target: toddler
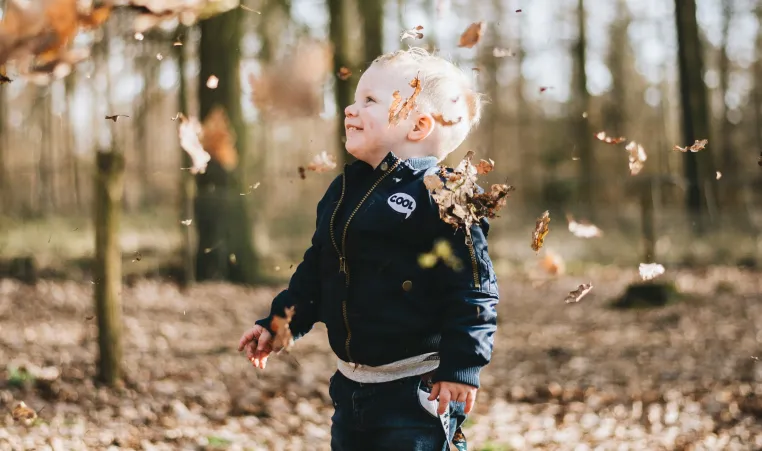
(410, 341)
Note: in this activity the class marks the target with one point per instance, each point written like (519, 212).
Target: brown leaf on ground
(541, 229)
(472, 35)
(579, 293)
(23, 414)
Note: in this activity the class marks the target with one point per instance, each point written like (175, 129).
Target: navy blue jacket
(361, 275)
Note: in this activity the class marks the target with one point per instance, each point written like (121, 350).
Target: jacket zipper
(474, 263)
(342, 252)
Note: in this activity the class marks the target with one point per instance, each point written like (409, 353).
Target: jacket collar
(415, 163)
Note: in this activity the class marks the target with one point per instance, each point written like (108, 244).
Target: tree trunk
(372, 12)
(187, 184)
(109, 188)
(343, 56)
(224, 230)
(698, 169)
(587, 172)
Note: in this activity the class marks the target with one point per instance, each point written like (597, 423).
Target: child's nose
(350, 110)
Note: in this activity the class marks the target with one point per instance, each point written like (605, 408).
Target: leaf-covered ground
(564, 376)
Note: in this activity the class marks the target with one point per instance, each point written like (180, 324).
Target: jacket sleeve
(470, 297)
(303, 291)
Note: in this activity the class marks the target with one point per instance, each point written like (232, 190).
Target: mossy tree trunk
(107, 270)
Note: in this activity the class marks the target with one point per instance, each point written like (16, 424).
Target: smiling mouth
(351, 128)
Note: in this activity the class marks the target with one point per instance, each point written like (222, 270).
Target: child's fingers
(470, 401)
(444, 401)
(265, 341)
(434, 392)
(247, 337)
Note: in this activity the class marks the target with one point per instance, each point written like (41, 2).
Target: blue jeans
(389, 416)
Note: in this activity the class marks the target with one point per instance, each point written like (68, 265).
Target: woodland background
(556, 72)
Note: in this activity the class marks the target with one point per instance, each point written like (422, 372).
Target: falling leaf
(636, 156)
(649, 271)
(232, 258)
(115, 117)
(413, 33)
(189, 132)
(407, 106)
(553, 264)
(159, 56)
(177, 116)
(177, 44)
(718, 175)
(244, 7)
(186, 222)
(518, 10)
(302, 173)
(541, 229)
(472, 35)
(322, 162)
(344, 73)
(89, 317)
(139, 36)
(439, 119)
(584, 114)
(583, 229)
(212, 82)
(699, 144)
(280, 325)
(502, 53)
(442, 251)
(218, 138)
(485, 166)
(23, 414)
(137, 258)
(4, 78)
(544, 88)
(579, 293)
(251, 188)
(458, 197)
(609, 140)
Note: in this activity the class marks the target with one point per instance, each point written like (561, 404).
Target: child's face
(369, 136)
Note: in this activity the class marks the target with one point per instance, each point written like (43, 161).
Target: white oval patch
(402, 203)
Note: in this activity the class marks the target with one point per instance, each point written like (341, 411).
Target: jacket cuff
(266, 322)
(468, 375)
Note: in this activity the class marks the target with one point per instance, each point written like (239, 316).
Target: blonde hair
(445, 91)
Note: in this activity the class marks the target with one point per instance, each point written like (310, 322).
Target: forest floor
(563, 376)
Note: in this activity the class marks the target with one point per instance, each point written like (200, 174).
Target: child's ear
(423, 126)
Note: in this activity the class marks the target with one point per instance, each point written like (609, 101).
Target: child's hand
(258, 343)
(453, 391)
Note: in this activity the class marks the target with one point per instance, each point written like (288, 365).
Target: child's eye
(369, 99)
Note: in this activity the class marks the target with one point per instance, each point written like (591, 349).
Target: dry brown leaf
(302, 172)
(699, 144)
(579, 293)
(636, 157)
(583, 229)
(649, 271)
(413, 33)
(608, 139)
(472, 35)
(190, 132)
(456, 194)
(541, 229)
(439, 119)
(344, 74)
(218, 138)
(283, 339)
(23, 414)
(115, 117)
(485, 166)
(322, 162)
(407, 106)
